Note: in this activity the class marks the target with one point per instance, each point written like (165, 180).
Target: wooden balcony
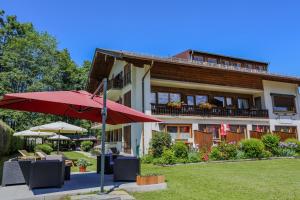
(186, 110)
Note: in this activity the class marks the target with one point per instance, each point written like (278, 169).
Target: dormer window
(237, 64)
(212, 60)
(199, 58)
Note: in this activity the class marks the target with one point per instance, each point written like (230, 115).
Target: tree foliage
(31, 61)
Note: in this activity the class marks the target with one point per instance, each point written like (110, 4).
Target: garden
(163, 152)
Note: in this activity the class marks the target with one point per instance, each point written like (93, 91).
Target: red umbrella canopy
(75, 104)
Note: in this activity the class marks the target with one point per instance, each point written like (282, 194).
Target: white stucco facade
(141, 133)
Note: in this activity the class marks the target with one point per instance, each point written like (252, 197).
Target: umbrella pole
(104, 114)
(58, 141)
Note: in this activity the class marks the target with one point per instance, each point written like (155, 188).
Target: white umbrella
(59, 127)
(59, 137)
(29, 133)
(33, 134)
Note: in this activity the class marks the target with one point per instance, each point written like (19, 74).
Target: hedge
(8, 143)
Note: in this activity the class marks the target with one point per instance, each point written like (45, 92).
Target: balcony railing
(186, 110)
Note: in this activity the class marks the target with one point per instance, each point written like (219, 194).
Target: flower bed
(269, 146)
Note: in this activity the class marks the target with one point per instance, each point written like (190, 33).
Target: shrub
(266, 154)
(194, 157)
(287, 149)
(8, 143)
(271, 143)
(182, 160)
(294, 141)
(228, 150)
(147, 159)
(253, 148)
(180, 150)
(44, 148)
(224, 151)
(95, 152)
(240, 155)
(86, 146)
(159, 141)
(286, 152)
(215, 154)
(168, 157)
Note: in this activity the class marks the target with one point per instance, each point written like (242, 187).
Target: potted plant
(82, 164)
(149, 179)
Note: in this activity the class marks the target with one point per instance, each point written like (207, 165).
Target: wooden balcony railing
(186, 110)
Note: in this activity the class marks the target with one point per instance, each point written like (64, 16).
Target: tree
(31, 61)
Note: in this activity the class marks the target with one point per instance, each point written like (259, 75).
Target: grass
(269, 179)
(76, 155)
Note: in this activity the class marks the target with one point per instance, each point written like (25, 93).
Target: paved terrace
(79, 183)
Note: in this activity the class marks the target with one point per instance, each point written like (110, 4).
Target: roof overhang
(104, 60)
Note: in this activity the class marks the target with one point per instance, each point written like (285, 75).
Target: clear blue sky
(265, 30)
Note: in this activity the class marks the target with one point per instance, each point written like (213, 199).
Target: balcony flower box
(207, 106)
(176, 105)
(150, 179)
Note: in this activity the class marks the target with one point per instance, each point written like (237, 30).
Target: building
(194, 93)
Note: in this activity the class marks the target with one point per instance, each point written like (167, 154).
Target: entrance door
(127, 139)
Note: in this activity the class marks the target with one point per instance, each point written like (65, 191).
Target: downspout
(143, 101)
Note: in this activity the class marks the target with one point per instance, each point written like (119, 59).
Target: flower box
(149, 180)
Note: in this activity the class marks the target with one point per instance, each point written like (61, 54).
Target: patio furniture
(108, 163)
(16, 172)
(26, 156)
(46, 173)
(126, 168)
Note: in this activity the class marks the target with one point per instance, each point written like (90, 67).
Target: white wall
(282, 88)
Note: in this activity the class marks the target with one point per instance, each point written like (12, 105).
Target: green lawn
(76, 155)
(270, 179)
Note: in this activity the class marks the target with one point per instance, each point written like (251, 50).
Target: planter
(82, 169)
(149, 180)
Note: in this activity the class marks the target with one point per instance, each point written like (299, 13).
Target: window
(219, 101)
(163, 98)
(243, 103)
(225, 62)
(210, 128)
(229, 101)
(261, 128)
(286, 129)
(153, 97)
(236, 64)
(238, 128)
(257, 101)
(199, 58)
(175, 97)
(200, 99)
(190, 100)
(212, 60)
(249, 66)
(283, 103)
(179, 132)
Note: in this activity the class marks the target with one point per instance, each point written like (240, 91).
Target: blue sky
(264, 30)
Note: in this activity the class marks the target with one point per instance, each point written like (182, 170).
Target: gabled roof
(104, 60)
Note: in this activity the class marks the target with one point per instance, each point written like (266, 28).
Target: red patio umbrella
(75, 104)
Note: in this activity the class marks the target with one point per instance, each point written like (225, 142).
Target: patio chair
(108, 164)
(46, 173)
(126, 168)
(16, 172)
(26, 156)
